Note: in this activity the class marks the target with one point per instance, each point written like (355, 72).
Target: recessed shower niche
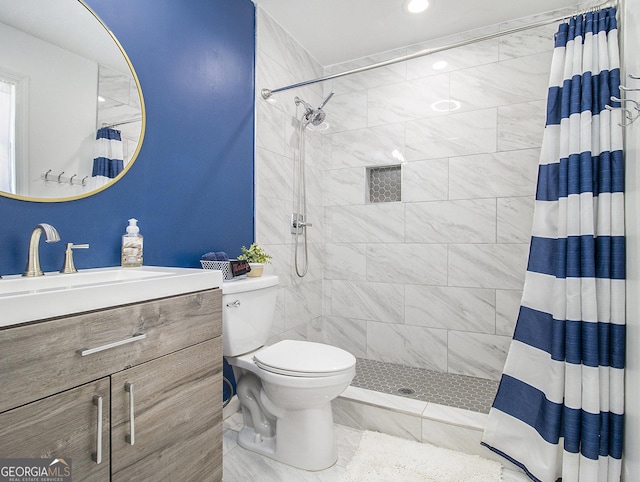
(384, 184)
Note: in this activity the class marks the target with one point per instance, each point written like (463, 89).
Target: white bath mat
(381, 457)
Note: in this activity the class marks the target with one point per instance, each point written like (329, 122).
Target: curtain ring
(60, 175)
(71, 179)
(46, 175)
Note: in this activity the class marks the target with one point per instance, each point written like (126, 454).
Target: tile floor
(451, 408)
(460, 391)
(241, 465)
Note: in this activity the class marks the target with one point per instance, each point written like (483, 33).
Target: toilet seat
(304, 359)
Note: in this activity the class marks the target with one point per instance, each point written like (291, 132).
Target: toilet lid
(304, 358)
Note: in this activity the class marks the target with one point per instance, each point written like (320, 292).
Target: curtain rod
(266, 93)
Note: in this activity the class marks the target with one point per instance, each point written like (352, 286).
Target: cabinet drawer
(45, 358)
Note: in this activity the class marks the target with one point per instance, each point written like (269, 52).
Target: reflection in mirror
(71, 111)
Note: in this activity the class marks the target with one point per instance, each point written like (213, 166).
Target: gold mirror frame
(140, 141)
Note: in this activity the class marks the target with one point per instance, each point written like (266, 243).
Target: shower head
(311, 115)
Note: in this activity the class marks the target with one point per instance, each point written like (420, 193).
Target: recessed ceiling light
(416, 6)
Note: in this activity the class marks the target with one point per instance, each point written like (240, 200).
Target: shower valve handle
(298, 223)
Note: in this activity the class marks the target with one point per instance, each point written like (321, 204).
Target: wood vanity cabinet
(158, 397)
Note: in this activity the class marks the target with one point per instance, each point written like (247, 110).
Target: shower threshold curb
(449, 427)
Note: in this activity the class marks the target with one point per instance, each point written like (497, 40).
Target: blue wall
(191, 187)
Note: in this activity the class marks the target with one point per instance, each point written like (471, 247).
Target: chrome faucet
(33, 261)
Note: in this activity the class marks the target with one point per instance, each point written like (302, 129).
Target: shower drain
(406, 391)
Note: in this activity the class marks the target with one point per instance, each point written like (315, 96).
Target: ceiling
(334, 31)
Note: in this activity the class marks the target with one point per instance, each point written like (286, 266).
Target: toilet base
(304, 439)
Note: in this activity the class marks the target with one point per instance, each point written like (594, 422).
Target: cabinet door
(65, 426)
(173, 406)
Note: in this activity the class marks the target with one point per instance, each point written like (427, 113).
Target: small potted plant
(256, 257)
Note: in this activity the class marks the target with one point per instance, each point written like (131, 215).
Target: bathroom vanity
(127, 392)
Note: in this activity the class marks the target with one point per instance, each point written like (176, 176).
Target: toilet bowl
(285, 390)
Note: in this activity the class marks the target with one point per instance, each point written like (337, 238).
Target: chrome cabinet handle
(91, 351)
(131, 438)
(97, 455)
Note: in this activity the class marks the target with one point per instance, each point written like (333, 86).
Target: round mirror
(72, 116)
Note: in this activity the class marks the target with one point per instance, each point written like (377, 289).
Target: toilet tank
(248, 306)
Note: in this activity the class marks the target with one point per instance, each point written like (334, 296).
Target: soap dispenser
(132, 245)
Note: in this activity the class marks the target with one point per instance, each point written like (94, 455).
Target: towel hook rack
(629, 115)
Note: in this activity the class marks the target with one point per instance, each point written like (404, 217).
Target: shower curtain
(558, 412)
(109, 154)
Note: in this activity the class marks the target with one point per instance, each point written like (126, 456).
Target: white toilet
(285, 390)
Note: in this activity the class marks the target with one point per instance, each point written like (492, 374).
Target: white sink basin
(54, 294)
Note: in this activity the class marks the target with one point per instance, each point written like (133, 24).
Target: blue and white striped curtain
(109, 153)
(558, 412)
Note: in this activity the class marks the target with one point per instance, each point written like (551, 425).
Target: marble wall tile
(409, 100)
(280, 46)
(314, 184)
(508, 82)
(303, 304)
(346, 333)
(345, 261)
(472, 55)
(477, 354)
(273, 175)
(469, 221)
(273, 217)
(368, 147)
(507, 308)
(344, 186)
(371, 223)
(413, 346)
(463, 309)
(281, 265)
(347, 112)
(501, 174)
(452, 135)
(515, 217)
(456, 189)
(499, 266)
(278, 316)
(270, 128)
(425, 180)
(318, 147)
(368, 301)
(521, 126)
(528, 42)
(372, 78)
(407, 263)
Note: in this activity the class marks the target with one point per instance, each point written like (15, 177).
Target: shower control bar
(298, 223)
